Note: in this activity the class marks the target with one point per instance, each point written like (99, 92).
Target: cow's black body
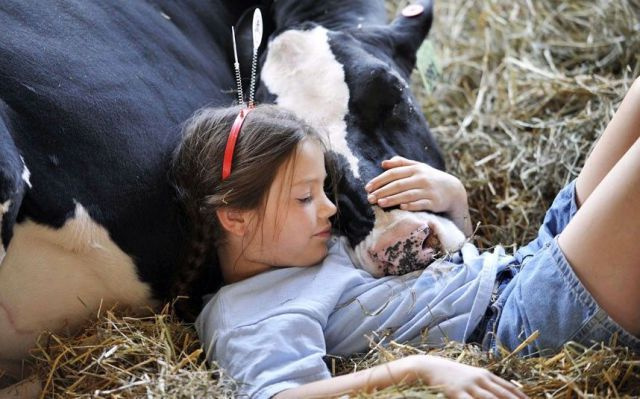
(93, 95)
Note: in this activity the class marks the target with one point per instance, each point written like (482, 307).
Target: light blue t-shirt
(271, 331)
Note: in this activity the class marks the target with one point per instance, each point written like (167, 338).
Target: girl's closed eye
(306, 199)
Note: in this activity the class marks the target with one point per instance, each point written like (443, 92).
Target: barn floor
(517, 94)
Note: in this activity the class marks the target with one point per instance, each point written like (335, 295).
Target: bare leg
(620, 134)
(601, 241)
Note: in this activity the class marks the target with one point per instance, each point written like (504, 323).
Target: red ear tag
(412, 10)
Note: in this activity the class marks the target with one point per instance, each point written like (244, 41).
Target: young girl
(293, 295)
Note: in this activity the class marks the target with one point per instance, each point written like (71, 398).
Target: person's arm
(416, 186)
(456, 380)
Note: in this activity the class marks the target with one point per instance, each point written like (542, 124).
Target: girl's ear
(234, 221)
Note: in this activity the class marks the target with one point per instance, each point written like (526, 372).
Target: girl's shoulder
(313, 290)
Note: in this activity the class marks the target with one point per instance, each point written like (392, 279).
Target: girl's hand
(456, 380)
(416, 186)
(462, 381)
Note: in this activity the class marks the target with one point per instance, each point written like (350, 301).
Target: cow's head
(352, 84)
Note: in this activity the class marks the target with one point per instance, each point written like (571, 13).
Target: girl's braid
(194, 279)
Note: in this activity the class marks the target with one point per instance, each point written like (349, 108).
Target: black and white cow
(350, 80)
(92, 98)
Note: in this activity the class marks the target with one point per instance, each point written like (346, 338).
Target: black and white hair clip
(236, 67)
(257, 31)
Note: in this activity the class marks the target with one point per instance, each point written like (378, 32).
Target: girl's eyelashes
(306, 200)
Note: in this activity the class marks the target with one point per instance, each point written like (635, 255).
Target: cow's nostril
(387, 268)
(425, 242)
(431, 241)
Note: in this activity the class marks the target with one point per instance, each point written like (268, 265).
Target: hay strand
(153, 357)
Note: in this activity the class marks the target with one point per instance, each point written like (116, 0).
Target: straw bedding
(523, 89)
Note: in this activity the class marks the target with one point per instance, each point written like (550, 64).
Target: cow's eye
(378, 92)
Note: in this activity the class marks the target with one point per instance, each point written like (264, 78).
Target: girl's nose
(328, 208)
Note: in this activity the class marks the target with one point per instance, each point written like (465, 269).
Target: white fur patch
(56, 279)
(450, 236)
(308, 80)
(4, 208)
(26, 175)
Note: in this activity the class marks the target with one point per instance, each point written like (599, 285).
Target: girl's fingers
(499, 390)
(398, 187)
(392, 188)
(509, 386)
(396, 161)
(405, 196)
(481, 393)
(383, 180)
(461, 395)
(420, 205)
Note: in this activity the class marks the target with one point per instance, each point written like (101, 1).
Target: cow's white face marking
(303, 72)
(25, 173)
(4, 208)
(56, 279)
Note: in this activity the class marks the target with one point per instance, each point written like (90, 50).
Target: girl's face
(295, 226)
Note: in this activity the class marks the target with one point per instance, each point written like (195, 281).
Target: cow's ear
(409, 31)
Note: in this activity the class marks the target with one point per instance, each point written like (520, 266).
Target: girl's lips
(324, 233)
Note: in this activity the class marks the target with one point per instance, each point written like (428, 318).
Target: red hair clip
(231, 142)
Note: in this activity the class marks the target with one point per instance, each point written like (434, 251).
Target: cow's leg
(12, 371)
(601, 241)
(25, 389)
(18, 381)
(57, 279)
(617, 138)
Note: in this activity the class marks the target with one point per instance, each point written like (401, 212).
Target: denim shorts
(540, 292)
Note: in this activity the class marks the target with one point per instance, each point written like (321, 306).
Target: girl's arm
(456, 380)
(416, 186)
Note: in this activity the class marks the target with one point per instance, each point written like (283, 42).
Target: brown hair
(268, 138)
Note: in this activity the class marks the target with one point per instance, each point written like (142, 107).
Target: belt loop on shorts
(494, 292)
